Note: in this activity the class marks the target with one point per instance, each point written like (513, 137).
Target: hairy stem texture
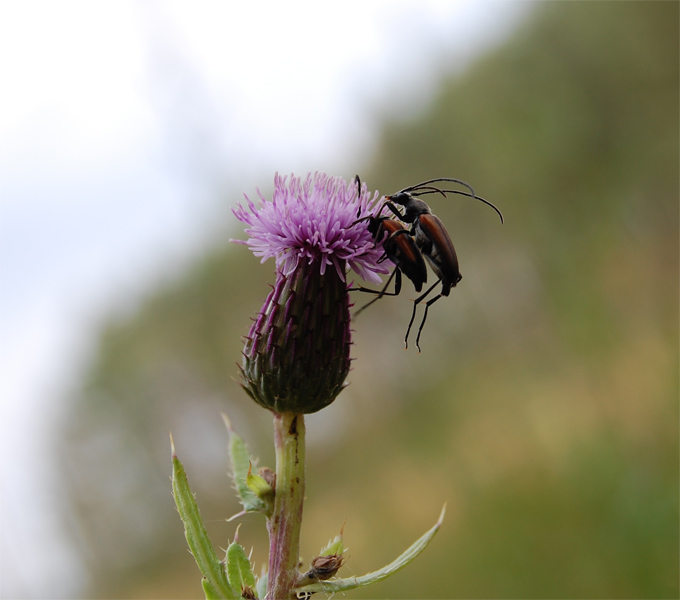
(284, 524)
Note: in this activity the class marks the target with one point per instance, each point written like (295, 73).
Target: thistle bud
(296, 356)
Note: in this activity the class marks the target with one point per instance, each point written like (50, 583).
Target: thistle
(295, 361)
(296, 356)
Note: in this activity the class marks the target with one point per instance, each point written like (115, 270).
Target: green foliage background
(544, 406)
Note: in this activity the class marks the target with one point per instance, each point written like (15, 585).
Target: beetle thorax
(414, 208)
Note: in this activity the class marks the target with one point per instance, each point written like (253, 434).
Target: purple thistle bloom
(296, 355)
(314, 221)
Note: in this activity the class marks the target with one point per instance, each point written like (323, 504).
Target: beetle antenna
(491, 204)
(450, 179)
(428, 190)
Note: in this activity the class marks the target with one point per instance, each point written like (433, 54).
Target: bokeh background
(543, 408)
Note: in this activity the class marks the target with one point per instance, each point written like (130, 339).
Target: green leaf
(209, 591)
(259, 485)
(215, 584)
(239, 571)
(341, 585)
(335, 546)
(261, 585)
(241, 463)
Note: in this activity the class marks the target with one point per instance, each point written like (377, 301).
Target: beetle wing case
(435, 243)
(401, 249)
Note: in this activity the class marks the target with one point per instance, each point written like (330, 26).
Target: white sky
(118, 119)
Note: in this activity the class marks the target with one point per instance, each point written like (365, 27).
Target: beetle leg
(394, 209)
(382, 292)
(390, 238)
(417, 301)
(427, 306)
(397, 283)
(396, 233)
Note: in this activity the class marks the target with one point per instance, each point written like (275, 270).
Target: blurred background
(543, 408)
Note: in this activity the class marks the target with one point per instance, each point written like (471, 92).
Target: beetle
(431, 238)
(398, 246)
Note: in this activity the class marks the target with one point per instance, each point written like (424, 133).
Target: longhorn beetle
(431, 238)
(399, 247)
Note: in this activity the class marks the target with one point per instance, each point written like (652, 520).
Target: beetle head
(402, 198)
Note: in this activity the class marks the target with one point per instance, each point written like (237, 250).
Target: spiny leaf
(335, 546)
(341, 585)
(239, 571)
(215, 584)
(241, 463)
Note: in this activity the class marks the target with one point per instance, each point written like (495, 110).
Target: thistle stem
(284, 524)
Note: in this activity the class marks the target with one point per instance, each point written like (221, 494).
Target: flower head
(296, 355)
(314, 220)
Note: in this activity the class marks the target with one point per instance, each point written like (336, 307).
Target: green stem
(284, 524)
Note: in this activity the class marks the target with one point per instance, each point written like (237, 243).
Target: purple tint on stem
(284, 523)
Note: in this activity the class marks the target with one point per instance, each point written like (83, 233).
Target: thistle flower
(296, 356)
